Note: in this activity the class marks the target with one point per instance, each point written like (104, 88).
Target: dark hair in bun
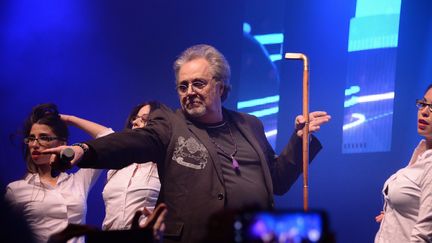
(45, 114)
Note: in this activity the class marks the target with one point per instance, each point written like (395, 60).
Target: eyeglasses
(42, 140)
(422, 104)
(196, 84)
(143, 118)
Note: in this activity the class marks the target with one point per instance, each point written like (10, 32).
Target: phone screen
(282, 226)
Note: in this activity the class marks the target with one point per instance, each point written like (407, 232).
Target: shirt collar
(34, 178)
(420, 152)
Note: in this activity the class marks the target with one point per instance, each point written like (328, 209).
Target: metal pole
(305, 137)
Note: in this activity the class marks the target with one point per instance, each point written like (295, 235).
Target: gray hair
(220, 68)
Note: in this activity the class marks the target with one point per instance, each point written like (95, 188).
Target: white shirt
(128, 190)
(408, 201)
(49, 209)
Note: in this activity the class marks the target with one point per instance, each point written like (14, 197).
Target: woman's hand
(155, 220)
(67, 119)
(379, 217)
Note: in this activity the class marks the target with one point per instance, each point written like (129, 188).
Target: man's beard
(194, 110)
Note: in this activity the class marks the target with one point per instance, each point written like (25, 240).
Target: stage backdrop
(98, 59)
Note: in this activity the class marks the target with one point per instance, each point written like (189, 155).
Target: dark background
(98, 59)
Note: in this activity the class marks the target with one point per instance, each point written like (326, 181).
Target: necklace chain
(235, 163)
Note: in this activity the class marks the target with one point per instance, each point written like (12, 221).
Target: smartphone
(281, 226)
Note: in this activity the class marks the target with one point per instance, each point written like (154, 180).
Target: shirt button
(220, 196)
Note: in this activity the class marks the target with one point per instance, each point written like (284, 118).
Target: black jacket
(189, 167)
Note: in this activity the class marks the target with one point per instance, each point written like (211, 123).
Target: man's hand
(316, 119)
(79, 152)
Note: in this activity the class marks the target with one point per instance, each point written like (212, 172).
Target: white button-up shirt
(49, 209)
(408, 201)
(128, 190)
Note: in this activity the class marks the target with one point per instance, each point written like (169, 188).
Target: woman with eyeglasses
(407, 213)
(50, 201)
(131, 188)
